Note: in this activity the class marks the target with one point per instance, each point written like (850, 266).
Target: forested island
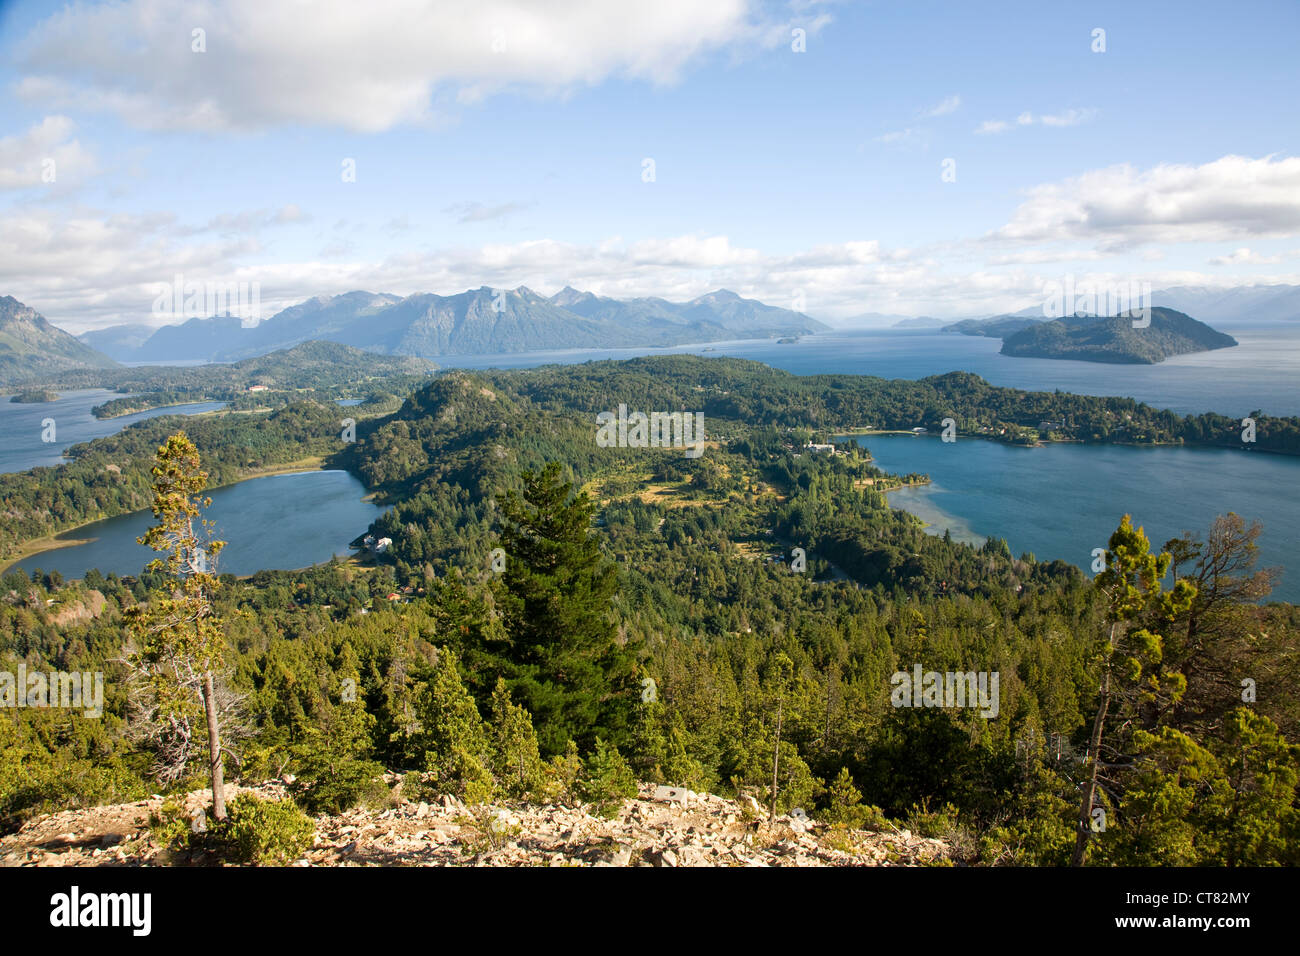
(1137, 338)
(499, 648)
(35, 396)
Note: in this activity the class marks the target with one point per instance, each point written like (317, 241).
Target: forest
(500, 648)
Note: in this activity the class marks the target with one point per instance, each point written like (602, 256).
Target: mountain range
(479, 321)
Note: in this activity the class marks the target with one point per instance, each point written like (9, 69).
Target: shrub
(267, 831)
(170, 826)
(606, 779)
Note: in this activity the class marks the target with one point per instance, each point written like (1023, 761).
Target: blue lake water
(1059, 501)
(1261, 373)
(1063, 500)
(21, 428)
(279, 521)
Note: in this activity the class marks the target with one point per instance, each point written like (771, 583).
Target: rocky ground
(652, 830)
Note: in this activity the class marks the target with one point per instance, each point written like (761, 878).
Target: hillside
(31, 349)
(707, 831)
(998, 327)
(648, 626)
(1115, 340)
(478, 321)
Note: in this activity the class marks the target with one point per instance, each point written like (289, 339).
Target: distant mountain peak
(570, 296)
(31, 348)
(718, 295)
(469, 322)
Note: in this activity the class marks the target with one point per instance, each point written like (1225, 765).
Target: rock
(667, 858)
(672, 795)
(621, 856)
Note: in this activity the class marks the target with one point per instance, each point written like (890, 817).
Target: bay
(1063, 500)
(21, 425)
(276, 522)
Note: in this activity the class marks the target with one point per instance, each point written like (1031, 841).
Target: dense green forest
(1160, 690)
(1115, 339)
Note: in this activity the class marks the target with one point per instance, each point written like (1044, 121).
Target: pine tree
(515, 759)
(453, 735)
(843, 797)
(606, 778)
(564, 657)
(334, 769)
(1131, 654)
(177, 636)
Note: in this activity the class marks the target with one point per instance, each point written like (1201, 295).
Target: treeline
(739, 390)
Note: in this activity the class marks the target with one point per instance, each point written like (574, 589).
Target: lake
(276, 522)
(1260, 373)
(1063, 500)
(21, 428)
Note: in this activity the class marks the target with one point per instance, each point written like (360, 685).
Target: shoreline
(150, 408)
(51, 542)
(852, 433)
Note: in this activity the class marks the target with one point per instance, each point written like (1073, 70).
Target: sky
(907, 157)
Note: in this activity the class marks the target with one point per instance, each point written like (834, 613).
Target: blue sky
(496, 147)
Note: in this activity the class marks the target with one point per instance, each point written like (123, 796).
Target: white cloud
(1027, 118)
(481, 212)
(1119, 206)
(900, 136)
(1068, 118)
(87, 271)
(247, 222)
(362, 66)
(945, 106)
(1244, 257)
(44, 155)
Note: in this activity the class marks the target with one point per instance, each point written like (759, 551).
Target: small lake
(20, 425)
(1063, 500)
(277, 522)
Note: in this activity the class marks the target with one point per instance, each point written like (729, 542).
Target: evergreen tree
(1131, 653)
(564, 657)
(606, 778)
(454, 737)
(178, 642)
(515, 759)
(334, 769)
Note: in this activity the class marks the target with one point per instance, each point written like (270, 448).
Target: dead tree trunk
(1094, 752)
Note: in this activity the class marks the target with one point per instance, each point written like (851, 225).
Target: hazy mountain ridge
(30, 347)
(1239, 305)
(477, 321)
(1114, 339)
